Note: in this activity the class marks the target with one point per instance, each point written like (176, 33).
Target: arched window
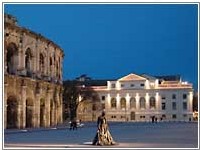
(11, 58)
(41, 63)
(152, 102)
(113, 103)
(28, 57)
(123, 103)
(50, 65)
(132, 103)
(142, 102)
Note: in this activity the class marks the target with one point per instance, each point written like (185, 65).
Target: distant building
(83, 78)
(32, 78)
(141, 97)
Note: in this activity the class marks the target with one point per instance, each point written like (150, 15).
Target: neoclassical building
(32, 78)
(141, 97)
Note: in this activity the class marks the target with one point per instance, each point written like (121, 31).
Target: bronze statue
(103, 136)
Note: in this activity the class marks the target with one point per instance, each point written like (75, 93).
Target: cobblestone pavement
(127, 135)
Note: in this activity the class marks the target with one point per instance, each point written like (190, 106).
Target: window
(41, 66)
(132, 103)
(184, 105)
(123, 103)
(142, 117)
(113, 103)
(163, 106)
(94, 107)
(163, 116)
(185, 115)
(142, 102)
(103, 98)
(174, 105)
(173, 96)
(103, 106)
(113, 116)
(132, 85)
(184, 96)
(123, 117)
(122, 85)
(152, 102)
(163, 97)
(142, 84)
(28, 57)
(174, 116)
(113, 85)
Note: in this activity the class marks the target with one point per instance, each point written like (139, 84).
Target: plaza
(127, 135)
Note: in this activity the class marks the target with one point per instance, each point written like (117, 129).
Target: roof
(148, 77)
(169, 77)
(132, 77)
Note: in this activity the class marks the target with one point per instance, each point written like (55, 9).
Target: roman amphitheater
(32, 78)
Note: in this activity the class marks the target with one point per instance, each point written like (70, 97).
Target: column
(23, 106)
(147, 101)
(61, 107)
(5, 61)
(158, 103)
(118, 101)
(47, 107)
(107, 104)
(190, 101)
(19, 115)
(127, 113)
(61, 68)
(137, 98)
(37, 110)
(5, 105)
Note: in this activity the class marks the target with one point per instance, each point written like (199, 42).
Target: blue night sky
(109, 41)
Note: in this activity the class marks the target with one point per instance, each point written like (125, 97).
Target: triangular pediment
(132, 77)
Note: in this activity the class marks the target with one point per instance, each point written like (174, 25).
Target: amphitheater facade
(32, 78)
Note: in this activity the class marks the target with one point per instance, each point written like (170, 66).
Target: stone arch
(42, 112)
(41, 63)
(50, 65)
(29, 112)
(12, 112)
(28, 61)
(132, 103)
(123, 103)
(11, 58)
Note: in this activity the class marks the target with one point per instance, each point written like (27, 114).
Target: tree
(74, 93)
(195, 101)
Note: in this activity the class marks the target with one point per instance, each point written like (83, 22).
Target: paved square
(127, 135)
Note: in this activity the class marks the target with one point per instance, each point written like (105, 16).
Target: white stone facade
(139, 98)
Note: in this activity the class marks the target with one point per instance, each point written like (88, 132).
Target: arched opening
(28, 57)
(42, 112)
(57, 71)
(152, 103)
(132, 103)
(50, 65)
(41, 66)
(142, 103)
(113, 103)
(12, 107)
(11, 58)
(123, 103)
(29, 113)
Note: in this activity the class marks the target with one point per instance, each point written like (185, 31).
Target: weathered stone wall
(32, 78)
